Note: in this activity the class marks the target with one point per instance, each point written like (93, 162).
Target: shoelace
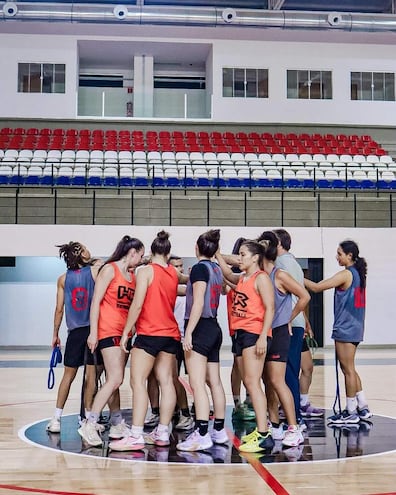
(56, 358)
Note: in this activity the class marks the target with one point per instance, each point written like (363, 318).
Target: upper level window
(41, 78)
(379, 86)
(309, 84)
(245, 83)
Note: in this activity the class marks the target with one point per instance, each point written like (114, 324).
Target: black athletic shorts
(180, 358)
(278, 345)
(154, 345)
(76, 347)
(207, 338)
(305, 347)
(113, 342)
(244, 340)
(233, 339)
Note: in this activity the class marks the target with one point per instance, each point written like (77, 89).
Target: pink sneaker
(195, 442)
(127, 443)
(156, 438)
(293, 437)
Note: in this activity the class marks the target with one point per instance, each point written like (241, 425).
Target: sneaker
(302, 425)
(119, 431)
(185, 423)
(152, 420)
(278, 433)
(195, 442)
(156, 438)
(258, 443)
(127, 443)
(219, 436)
(244, 412)
(364, 413)
(89, 433)
(293, 437)
(344, 417)
(54, 426)
(196, 457)
(137, 455)
(309, 411)
(249, 436)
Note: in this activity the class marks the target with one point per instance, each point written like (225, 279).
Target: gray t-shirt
(289, 263)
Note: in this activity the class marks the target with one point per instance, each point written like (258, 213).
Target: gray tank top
(283, 304)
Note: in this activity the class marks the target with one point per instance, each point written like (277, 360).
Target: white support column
(143, 91)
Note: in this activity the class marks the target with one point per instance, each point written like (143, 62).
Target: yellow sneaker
(258, 443)
(249, 436)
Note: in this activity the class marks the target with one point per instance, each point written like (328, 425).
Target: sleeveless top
(349, 311)
(157, 317)
(283, 304)
(248, 309)
(79, 288)
(212, 292)
(114, 307)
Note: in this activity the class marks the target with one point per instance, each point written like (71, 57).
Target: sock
(93, 417)
(361, 400)
(274, 425)
(248, 400)
(136, 431)
(218, 424)
(351, 404)
(87, 413)
(185, 412)
(115, 418)
(237, 400)
(162, 428)
(264, 433)
(58, 413)
(155, 410)
(202, 426)
(304, 399)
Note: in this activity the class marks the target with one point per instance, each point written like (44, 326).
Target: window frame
(239, 82)
(41, 77)
(303, 84)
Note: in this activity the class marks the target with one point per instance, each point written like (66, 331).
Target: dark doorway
(315, 273)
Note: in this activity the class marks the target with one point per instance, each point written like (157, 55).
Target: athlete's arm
(59, 309)
(227, 272)
(266, 291)
(199, 288)
(103, 280)
(144, 277)
(341, 279)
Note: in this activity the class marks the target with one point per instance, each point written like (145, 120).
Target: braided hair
(72, 255)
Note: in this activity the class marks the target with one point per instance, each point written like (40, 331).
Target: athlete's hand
(289, 325)
(92, 342)
(56, 342)
(123, 343)
(261, 346)
(187, 342)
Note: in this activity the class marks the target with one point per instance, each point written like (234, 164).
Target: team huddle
(149, 309)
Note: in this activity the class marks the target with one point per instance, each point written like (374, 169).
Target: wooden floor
(27, 468)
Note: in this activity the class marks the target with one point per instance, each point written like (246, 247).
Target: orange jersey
(156, 317)
(114, 307)
(248, 310)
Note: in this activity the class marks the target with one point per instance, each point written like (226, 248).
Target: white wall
(16, 49)
(278, 57)
(27, 310)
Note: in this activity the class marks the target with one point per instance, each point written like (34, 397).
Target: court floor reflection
(321, 442)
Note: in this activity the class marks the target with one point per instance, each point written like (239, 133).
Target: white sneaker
(119, 431)
(54, 426)
(219, 436)
(185, 423)
(278, 433)
(89, 433)
(127, 443)
(195, 442)
(152, 420)
(293, 437)
(156, 438)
